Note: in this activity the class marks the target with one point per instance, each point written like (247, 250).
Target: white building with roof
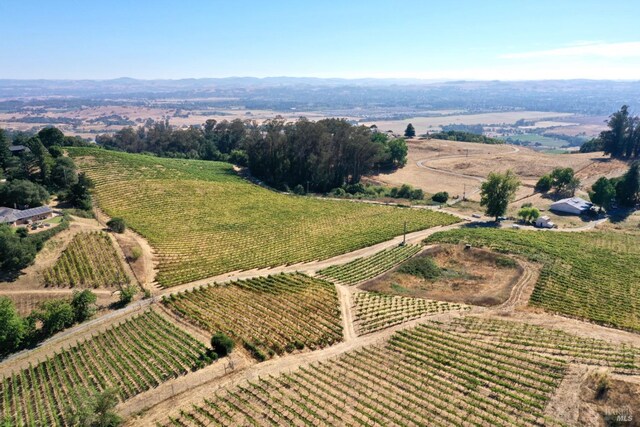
(572, 205)
(544, 222)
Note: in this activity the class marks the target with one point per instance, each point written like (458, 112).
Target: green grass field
(592, 275)
(203, 220)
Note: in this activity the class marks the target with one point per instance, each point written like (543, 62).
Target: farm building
(20, 217)
(544, 222)
(572, 205)
(17, 149)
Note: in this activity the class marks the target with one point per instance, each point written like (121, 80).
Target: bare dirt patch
(593, 397)
(471, 276)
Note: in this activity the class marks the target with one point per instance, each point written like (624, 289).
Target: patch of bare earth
(591, 396)
(471, 276)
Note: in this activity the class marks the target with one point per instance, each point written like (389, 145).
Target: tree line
(621, 140)
(314, 155)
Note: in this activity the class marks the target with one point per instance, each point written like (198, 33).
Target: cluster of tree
(624, 190)
(359, 190)
(497, 192)
(457, 135)
(476, 129)
(54, 315)
(214, 140)
(316, 156)
(320, 155)
(622, 139)
(592, 146)
(40, 170)
(562, 180)
(528, 214)
(18, 248)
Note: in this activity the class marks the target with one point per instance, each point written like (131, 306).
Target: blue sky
(509, 40)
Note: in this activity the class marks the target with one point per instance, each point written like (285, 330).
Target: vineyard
(586, 275)
(622, 358)
(424, 376)
(374, 311)
(267, 315)
(133, 357)
(361, 269)
(203, 220)
(90, 261)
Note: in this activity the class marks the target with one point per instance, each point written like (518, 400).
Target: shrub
(602, 383)
(222, 344)
(117, 225)
(505, 262)
(440, 197)
(84, 305)
(127, 293)
(299, 190)
(544, 184)
(136, 253)
(339, 192)
(424, 267)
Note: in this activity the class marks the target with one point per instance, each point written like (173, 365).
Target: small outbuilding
(20, 217)
(544, 222)
(572, 205)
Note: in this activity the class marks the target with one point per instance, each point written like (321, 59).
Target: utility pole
(404, 236)
(307, 186)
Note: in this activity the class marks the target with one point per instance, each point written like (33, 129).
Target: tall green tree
(51, 136)
(80, 192)
(628, 188)
(602, 193)
(410, 131)
(497, 191)
(565, 181)
(64, 173)
(12, 328)
(5, 154)
(22, 193)
(16, 252)
(84, 305)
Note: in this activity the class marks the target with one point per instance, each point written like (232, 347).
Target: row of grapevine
(267, 315)
(90, 261)
(590, 275)
(374, 311)
(203, 220)
(362, 269)
(422, 377)
(621, 358)
(132, 357)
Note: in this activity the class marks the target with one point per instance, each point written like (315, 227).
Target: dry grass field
(423, 124)
(452, 166)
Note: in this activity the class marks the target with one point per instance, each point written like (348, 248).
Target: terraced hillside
(90, 261)
(592, 275)
(203, 220)
(267, 315)
(132, 357)
(411, 381)
(365, 268)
